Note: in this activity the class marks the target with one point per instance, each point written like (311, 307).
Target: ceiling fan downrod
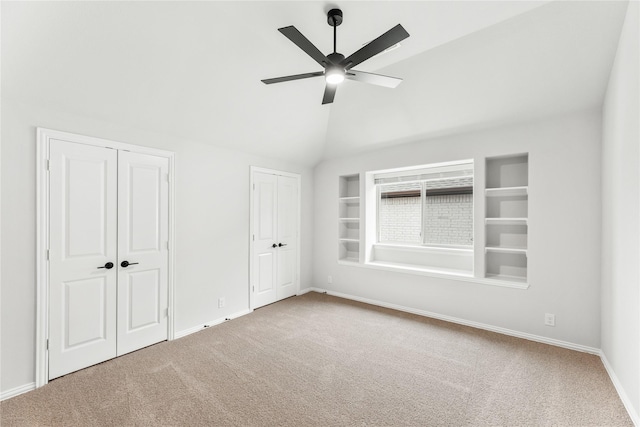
(334, 18)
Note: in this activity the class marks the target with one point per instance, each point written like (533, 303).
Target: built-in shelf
(506, 218)
(349, 219)
(505, 278)
(507, 171)
(503, 250)
(506, 191)
(506, 221)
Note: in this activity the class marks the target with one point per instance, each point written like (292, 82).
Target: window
(420, 219)
(429, 206)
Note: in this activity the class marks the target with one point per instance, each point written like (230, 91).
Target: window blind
(425, 174)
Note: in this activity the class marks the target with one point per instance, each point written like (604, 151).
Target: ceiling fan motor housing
(335, 58)
(334, 17)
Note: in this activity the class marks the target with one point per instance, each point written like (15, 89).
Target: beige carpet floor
(317, 360)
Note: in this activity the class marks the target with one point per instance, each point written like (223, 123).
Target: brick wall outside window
(448, 219)
(400, 220)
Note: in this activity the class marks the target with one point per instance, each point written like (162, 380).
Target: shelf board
(506, 191)
(346, 239)
(504, 250)
(349, 219)
(504, 278)
(506, 221)
(350, 260)
(350, 199)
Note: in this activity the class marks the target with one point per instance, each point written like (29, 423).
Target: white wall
(564, 231)
(212, 227)
(621, 214)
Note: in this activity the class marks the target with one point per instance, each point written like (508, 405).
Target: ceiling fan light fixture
(334, 75)
(336, 66)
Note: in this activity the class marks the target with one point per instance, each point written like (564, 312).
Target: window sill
(411, 268)
(456, 261)
(456, 275)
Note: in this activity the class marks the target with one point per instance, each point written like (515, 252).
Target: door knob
(282, 244)
(127, 263)
(108, 266)
(274, 246)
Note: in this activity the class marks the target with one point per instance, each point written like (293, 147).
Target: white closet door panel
(144, 299)
(287, 209)
(266, 208)
(83, 221)
(265, 235)
(143, 207)
(287, 236)
(287, 269)
(85, 305)
(265, 273)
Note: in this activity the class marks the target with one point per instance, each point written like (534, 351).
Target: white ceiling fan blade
(375, 79)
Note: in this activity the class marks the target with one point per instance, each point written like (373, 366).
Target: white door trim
(254, 169)
(42, 229)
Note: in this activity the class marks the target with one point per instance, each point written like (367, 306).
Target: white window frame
(452, 261)
(423, 191)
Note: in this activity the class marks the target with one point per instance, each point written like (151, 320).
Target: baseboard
(307, 290)
(623, 395)
(202, 326)
(504, 331)
(17, 390)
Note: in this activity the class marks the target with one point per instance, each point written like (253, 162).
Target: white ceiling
(193, 69)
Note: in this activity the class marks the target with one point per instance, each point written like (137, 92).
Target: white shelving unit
(506, 218)
(507, 191)
(349, 218)
(506, 221)
(499, 250)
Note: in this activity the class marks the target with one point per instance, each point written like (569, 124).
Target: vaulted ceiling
(193, 69)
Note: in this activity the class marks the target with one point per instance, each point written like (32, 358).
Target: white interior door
(274, 258)
(143, 206)
(265, 205)
(83, 222)
(108, 256)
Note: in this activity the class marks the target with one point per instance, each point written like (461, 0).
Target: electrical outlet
(221, 302)
(550, 319)
(329, 279)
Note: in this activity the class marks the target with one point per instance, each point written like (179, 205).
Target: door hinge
(253, 289)
(47, 165)
(254, 186)
(47, 254)
(168, 245)
(166, 312)
(254, 238)
(47, 343)
(168, 179)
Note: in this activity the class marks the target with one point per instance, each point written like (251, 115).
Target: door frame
(42, 234)
(253, 170)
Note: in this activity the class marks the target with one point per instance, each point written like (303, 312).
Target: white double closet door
(274, 258)
(108, 256)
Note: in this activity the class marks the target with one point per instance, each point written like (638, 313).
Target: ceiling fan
(336, 66)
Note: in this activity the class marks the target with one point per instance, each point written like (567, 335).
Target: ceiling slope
(551, 60)
(193, 69)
